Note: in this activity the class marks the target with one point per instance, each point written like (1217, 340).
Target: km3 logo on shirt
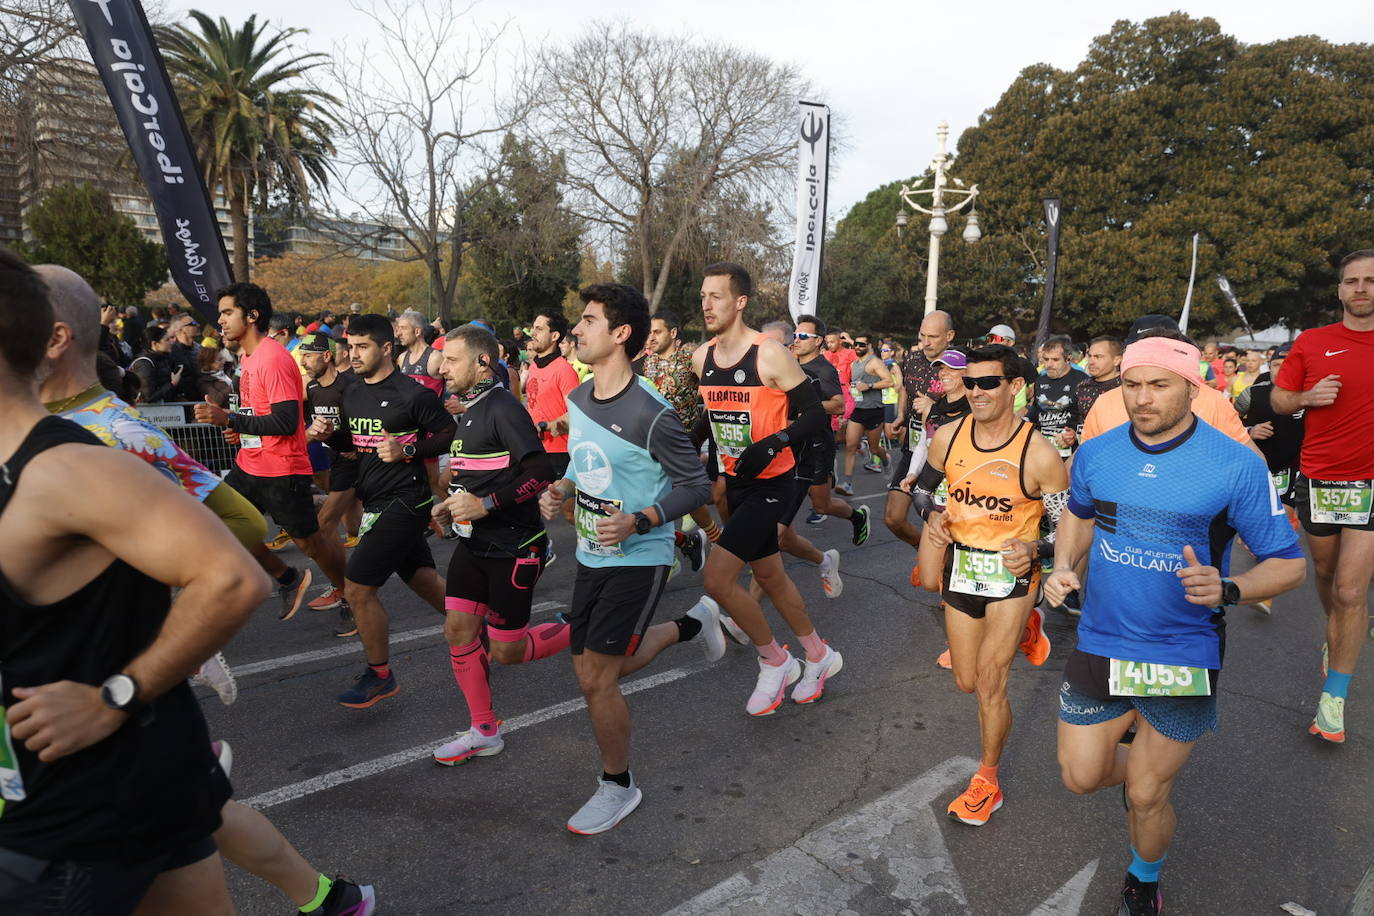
(966, 496)
(1151, 560)
(366, 426)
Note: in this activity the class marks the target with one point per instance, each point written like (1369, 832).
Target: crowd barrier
(201, 441)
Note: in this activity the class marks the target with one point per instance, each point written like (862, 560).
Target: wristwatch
(642, 523)
(120, 691)
(488, 503)
(1230, 592)
(543, 426)
(408, 450)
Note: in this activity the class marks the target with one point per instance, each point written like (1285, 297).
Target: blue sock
(1146, 872)
(1337, 684)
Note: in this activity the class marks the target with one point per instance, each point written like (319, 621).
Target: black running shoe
(347, 899)
(860, 522)
(1139, 898)
(694, 549)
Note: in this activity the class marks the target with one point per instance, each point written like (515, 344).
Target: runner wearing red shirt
(550, 380)
(1330, 376)
(842, 358)
(272, 469)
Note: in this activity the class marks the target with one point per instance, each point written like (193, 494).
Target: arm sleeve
(670, 446)
(436, 424)
(1054, 508)
(701, 429)
(534, 477)
(923, 490)
(282, 421)
(805, 411)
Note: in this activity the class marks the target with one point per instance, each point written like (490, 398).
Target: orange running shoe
(350, 541)
(279, 542)
(916, 575)
(944, 661)
(1035, 645)
(976, 805)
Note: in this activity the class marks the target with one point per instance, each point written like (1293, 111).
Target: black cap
(1149, 323)
(316, 343)
(1282, 350)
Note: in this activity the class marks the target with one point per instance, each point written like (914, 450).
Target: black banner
(1042, 331)
(130, 66)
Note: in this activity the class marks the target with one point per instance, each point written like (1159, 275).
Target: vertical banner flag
(1188, 299)
(1042, 331)
(130, 66)
(1230, 295)
(813, 168)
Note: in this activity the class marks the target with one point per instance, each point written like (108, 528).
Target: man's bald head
(937, 332)
(77, 306)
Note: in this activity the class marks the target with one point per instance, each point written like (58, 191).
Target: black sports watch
(408, 450)
(120, 691)
(642, 523)
(1230, 592)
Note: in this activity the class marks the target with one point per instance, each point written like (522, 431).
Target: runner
(96, 655)
(1104, 374)
(1329, 375)
(323, 394)
(634, 470)
(868, 379)
(546, 391)
(1002, 478)
(841, 356)
(752, 387)
(499, 470)
(271, 470)
(1279, 436)
(1056, 393)
(920, 387)
(395, 426)
(414, 357)
(1149, 499)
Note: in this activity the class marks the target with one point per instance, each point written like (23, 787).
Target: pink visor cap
(1174, 355)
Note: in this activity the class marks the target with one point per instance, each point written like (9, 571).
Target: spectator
(157, 375)
(215, 384)
(184, 349)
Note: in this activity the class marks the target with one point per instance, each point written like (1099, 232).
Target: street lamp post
(944, 200)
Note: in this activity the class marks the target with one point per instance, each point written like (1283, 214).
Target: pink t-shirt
(270, 376)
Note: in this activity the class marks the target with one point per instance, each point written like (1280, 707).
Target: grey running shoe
(707, 613)
(606, 808)
(216, 675)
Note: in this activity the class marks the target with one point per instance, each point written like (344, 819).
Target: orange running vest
(987, 501)
(743, 410)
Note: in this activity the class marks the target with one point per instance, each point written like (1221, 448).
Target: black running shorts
(287, 499)
(504, 585)
(393, 541)
(867, 417)
(343, 473)
(976, 606)
(757, 507)
(612, 607)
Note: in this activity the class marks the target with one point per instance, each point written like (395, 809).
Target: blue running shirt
(1148, 501)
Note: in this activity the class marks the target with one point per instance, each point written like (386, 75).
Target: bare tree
(421, 124)
(655, 127)
(31, 32)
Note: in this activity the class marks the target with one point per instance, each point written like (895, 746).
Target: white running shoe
(470, 743)
(216, 675)
(707, 613)
(772, 686)
(814, 676)
(732, 629)
(830, 574)
(608, 806)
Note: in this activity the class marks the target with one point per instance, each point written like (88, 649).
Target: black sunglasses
(987, 382)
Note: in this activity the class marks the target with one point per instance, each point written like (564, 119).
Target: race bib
(11, 781)
(731, 430)
(1143, 679)
(462, 529)
(245, 440)
(369, 519)
(980, 573)
(586, 513)
(1281, 481)
(1340, 502)
(941, 496)
(916, 433)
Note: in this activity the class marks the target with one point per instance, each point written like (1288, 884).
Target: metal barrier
(201, 441)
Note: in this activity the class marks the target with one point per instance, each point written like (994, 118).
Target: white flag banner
(813, 168)
(1192, 279)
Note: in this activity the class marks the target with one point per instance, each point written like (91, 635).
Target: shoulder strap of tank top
(46, 433)
(1029, 430)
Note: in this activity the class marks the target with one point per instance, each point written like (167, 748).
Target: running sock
(321, 893)
(382, 671)
(988, 773)
(824, 563)
(772, 654)
(678, 538)
(620, 779)
(712, 531)
(815, 648)
(1337, 684)
(546, 639)
(1148, 872)
(471, 669)
(288, 578)
(687, 627)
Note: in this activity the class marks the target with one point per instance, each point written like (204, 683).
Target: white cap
(1002, 330)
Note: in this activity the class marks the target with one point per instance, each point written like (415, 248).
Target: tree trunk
(238, 219)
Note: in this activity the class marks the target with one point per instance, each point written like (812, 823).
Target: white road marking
(892, 847)
(423, 751)
(355, 648)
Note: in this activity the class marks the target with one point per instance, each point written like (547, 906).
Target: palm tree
(254, 134)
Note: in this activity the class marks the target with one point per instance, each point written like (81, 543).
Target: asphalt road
(832, 808)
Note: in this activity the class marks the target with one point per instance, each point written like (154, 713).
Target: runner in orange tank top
(1002, 477)
(760, 406)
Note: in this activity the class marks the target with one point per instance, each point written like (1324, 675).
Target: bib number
(11, 780)
(586, 513)
(1143, 679)
(1281, 481)
(1340, 502)
(369, 519)
(980, 573)
(732, 432)
(941, 496)
(915, 432)
(245, 440)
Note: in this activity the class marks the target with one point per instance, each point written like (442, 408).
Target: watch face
(120, 690)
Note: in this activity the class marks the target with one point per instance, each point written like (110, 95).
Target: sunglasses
(802, 335)
(861, 345)
(986, 382)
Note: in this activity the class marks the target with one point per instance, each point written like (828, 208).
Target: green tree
(257, 131)
(77, 226)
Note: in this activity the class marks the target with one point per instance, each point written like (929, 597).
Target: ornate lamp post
(943, 200)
